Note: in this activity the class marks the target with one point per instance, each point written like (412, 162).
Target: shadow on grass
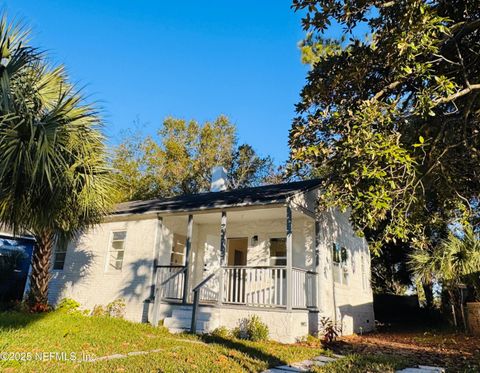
(252, 352)
(10, 320)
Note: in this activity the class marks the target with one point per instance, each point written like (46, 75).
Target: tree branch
(389, 87)
(461, 93)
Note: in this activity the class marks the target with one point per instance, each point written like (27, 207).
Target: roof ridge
(264, 194)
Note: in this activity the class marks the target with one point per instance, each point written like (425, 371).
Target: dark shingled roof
(263, 195)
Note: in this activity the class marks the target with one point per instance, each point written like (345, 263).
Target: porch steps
(181, 319)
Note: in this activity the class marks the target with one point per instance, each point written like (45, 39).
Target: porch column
(289, 257)
(188, 249)
(223, 252)
(156, 289)
(316, 265)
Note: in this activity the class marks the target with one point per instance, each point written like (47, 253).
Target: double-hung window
(278, 251)
(59, 257)
(177, 257)
(364, 275)
(340, 264)
(116, 251)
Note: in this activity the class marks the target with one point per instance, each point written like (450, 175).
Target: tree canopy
(389, 115)
(180, 160)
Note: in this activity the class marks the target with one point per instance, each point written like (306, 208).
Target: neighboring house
(256, 251)
(15, 256)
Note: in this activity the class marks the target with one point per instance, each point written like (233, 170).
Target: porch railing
(261, 286)
(304, 289)
(170, 280)
(255, 286)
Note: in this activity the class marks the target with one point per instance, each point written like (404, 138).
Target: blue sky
(190, 59)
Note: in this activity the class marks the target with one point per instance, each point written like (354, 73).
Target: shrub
(98, 311)
(68, 305)
(221, 332)
(116, 308)
(39, 308)
(329, 330)
(310, 340)
(252, 329)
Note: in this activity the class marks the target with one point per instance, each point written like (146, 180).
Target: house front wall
(349, 303)
(87, 279)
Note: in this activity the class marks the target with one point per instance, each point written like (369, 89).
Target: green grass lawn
(102, 336)
(31, 336)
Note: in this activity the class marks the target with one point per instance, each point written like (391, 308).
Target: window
(278, 251)
(340, 267)
(116, 251)
(60, 254)
(177, 256)
(364, 275)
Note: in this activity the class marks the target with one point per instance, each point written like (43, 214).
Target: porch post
(156, 289)
(316, 264)
(289, 257)
(188, 249)
(223, 252)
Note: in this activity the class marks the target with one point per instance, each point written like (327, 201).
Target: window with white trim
(340, 264)
(116, 251)
(177, 257)
(60, 255)
(364, 275)
(278, 251)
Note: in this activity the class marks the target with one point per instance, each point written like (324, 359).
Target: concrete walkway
(303, 366)
(306, 366)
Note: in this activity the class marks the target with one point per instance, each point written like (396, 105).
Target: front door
(237, 251)
(237, 257)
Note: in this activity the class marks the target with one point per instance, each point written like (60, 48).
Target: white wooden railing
(255, 286)
(170, 280)
(303, 288)
(261, 286)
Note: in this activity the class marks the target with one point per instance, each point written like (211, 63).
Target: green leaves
(53, 172)
(391, 121)
(180, 160)
(456, 260)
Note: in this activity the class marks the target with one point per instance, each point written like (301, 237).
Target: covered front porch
(262, 258)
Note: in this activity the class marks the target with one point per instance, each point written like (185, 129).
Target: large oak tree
(389, 115)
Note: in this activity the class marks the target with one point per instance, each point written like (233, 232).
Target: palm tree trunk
(40, 276)
(428, 290)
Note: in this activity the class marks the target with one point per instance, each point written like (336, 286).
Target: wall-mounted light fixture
(254, 240)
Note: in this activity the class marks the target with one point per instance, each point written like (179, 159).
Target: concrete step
(174, 323)
(187, 314)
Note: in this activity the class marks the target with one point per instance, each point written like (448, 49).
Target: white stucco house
(262, 250)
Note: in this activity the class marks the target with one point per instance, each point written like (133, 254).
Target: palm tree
(54, 179)
(454, 262)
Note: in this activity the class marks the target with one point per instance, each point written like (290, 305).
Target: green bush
(116, 308)
(252, 329)
(68, 305)
(221, 332)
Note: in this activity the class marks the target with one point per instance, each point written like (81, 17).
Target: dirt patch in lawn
(455, 351)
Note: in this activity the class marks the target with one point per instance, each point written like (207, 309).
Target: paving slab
(422, 369)
(306, 365)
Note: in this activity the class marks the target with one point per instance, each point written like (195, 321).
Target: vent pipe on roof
(219, 179)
